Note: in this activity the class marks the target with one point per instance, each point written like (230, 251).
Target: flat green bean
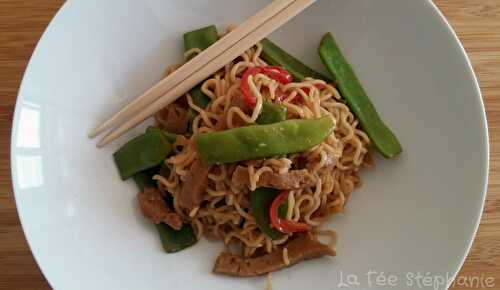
(382, 137)
(174, 241)
(271, 113)
(275, 55)
(171, 137)
(144, 178)
(143, 152)
(261, 200)
(200, 38)
(262, 141)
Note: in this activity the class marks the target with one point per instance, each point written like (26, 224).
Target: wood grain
(22, 22)
(477, 23)
(21, 25)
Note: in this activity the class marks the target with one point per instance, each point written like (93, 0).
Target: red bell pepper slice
(319, 86)
(283, 225)
(275, 72)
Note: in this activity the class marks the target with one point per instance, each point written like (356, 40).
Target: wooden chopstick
(258, 34)
(193, 65)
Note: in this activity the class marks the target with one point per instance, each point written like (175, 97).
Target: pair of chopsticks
(226, 49)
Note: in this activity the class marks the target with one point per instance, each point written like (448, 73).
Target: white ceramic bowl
(418, 213)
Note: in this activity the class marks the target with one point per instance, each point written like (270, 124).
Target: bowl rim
(486, 157)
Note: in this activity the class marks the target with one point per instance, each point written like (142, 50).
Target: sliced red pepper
(280, 95)
(319, 86)
(298, 100)
(283, 225)
(245, 88)
(275, 72)
(278, 73)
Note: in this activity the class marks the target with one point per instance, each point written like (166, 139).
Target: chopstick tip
(102, 143)
(95, 132)
(92, 134)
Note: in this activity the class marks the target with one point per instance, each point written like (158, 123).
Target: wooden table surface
(22, 22)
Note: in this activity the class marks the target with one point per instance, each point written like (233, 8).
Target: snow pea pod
(171, 137)
(174, 241)
(261, 200)
(262, 141)
(144, 178)
(200, 38)
(199, 99)
(275, 55)
(140, 157)
(382, 137)
(271, 113)
(143, 152)
(171, 240)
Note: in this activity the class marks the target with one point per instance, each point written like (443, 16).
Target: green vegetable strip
(199, 98)
(141, 153)
(200, 38)
(144, 178)
(262, 141)
(274, 55)
(261, 200)
(171, 240)
(174, 241)
(350, 88)
(171, 137)
(271, 113)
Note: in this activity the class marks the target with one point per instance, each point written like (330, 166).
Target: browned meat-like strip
(153, 208)
(293, 179)
(173, 118)
(194, 187)
(301, 248)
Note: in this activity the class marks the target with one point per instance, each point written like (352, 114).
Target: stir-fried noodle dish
(259, 156)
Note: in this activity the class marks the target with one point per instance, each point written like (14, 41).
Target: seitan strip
(195, 185)
(155, 209)
(173, 118)
(293, 179)
(302, 247)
